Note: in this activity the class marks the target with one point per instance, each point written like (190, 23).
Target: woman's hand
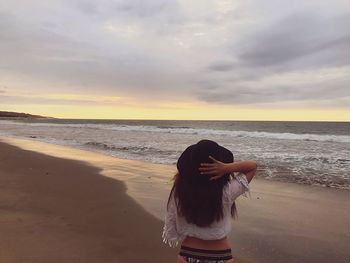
(217, 168)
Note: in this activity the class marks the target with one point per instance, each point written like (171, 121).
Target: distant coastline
(20, 115)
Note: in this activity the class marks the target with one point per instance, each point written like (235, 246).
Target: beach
(60, 204)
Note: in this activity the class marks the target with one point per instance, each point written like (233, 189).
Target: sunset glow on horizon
(180, 111)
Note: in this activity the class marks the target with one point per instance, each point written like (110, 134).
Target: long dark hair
(198, 199)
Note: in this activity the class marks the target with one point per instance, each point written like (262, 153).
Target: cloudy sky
(165, 59)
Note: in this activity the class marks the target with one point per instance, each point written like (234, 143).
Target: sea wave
(196, 131)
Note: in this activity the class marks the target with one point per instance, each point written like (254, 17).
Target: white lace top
(176, 227)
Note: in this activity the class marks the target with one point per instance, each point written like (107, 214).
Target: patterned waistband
(223, 254)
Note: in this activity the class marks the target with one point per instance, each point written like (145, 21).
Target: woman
(202, 202)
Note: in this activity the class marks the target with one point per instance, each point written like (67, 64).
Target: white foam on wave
(194, 131)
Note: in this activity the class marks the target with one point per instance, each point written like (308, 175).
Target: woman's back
(201, 203)
(176, 228)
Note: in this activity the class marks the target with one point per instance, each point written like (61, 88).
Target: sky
(165, 59)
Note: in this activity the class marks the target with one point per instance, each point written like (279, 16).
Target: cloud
(133, 8)
(302, 47)
(221, 66)
(57, 58)
(159, 16)
(254, 53)
(30, 100)
(298, 41)
(323, 93)
(301, 38)
(264, 92)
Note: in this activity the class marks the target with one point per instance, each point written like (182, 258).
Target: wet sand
(59, 204)
(59, 210)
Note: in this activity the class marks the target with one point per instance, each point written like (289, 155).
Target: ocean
(313, 153)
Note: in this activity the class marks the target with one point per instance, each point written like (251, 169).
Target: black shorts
(196, 255)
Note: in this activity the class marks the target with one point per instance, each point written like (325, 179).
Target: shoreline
(283, 222)
(305, 154)
(323, 175)
(26, 141)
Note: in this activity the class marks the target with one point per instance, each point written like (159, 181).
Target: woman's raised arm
(219, 169)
